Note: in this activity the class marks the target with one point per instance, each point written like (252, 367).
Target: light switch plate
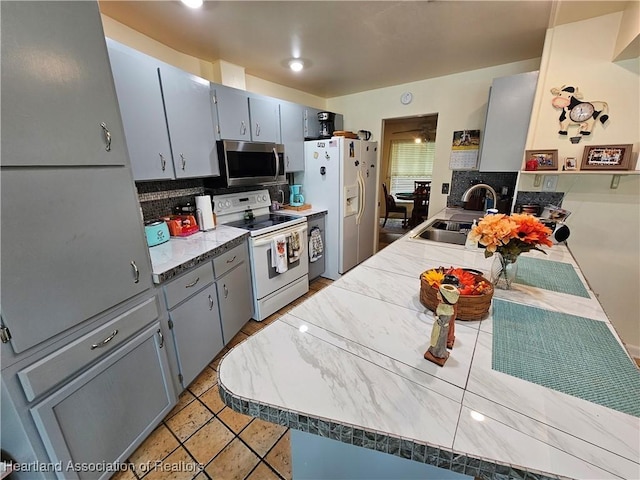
(549, 183)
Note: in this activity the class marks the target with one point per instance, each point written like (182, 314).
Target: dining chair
(421, 194)
(391, 207)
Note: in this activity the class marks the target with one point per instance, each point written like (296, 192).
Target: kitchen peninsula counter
(347, 364)
(180, 254)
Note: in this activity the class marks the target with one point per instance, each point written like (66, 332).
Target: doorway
(408, 154)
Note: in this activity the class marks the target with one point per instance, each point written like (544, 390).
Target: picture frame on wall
(547, 159)
(570, 163)
(606, 157)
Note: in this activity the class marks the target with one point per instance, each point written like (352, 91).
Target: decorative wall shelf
(580, 172)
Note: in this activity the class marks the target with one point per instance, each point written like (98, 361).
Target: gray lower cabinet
(57, 88)
(236, 300)
(105, 413)
(195, 325)
(292, 135)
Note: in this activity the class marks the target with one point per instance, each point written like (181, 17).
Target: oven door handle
(277, 158)
(269, 237)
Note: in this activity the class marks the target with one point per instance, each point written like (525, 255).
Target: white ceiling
(353, 46)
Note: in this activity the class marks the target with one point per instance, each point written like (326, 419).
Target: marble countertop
(348, 364)
(182, 253)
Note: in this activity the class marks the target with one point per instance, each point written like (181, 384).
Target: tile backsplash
(461, 180)
(158, 198)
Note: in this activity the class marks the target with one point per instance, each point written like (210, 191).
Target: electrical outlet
(445, 188)
(549, 183)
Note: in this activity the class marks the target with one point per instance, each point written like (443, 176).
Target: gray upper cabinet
(243, 116)
(507, 123)
(265, 122)
(188, 104)
(53, 48)
(232, 113)
(167, 115)
(140, 97)
(81, 251)
(311, 123)
(292, 135)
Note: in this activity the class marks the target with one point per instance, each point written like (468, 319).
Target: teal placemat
(570, 354)
(555, 276)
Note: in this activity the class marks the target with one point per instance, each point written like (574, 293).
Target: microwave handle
(277, 158)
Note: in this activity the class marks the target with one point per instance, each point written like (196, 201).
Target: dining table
(415, 218)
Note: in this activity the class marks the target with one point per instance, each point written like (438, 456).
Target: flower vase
(503, 271)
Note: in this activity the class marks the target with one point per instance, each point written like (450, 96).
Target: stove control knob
(227, 204)
(264, 198)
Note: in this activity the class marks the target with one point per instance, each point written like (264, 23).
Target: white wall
(605, 224)
(460, 101)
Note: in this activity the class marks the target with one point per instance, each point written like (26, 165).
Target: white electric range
(250, 211)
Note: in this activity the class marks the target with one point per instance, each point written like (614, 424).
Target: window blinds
(410, 162)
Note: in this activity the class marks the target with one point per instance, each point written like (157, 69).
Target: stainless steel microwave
(250, 163)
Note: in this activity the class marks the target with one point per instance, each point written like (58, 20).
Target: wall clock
(406, 98)
(573, 110)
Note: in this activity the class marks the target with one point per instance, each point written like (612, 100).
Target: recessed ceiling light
(192, 3)
(296, 65)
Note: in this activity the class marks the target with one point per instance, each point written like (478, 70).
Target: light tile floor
(201, 429)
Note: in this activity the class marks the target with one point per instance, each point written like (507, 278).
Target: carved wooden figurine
(447, 296)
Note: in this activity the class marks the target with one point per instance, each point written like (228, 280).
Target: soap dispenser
(469, 244)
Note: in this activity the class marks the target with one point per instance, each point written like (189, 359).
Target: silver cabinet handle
(184, 161)
(210, 303)
(105, 341)
(226, 290)
(232, 260)
(288, 161)
(107, 136)
(161, 338)
(257, 129)
(192, 284)
(136, 272)
(163, 162)
(243, 128)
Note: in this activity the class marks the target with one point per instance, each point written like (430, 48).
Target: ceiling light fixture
(296, 64)
(192, 3)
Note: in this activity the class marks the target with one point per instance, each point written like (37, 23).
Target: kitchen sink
(446, 231)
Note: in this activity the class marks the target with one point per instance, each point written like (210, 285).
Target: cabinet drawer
(190, 283)
(53, 369)
(226, 261)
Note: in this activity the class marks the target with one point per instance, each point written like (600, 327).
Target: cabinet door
(196, 332)
(236, 300)
(140, 98)
(188, 104)
(104, 414)
(71, 251)
(507, 124)
(57, 88)
(311, 123)
(263, 113)
(233, 113)
(292, 134)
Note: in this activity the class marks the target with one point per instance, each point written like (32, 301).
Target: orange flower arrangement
(511, 235)
(467, 282)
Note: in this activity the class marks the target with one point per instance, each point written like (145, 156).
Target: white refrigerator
(340, 174)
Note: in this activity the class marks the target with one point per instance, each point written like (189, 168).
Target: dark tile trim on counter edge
(169, 274)
(480, 468)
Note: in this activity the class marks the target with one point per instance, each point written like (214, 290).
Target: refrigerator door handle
(361, 197)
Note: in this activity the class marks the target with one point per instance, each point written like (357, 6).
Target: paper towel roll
(204, 211)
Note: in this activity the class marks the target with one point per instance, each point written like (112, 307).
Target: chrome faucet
(473, 188)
